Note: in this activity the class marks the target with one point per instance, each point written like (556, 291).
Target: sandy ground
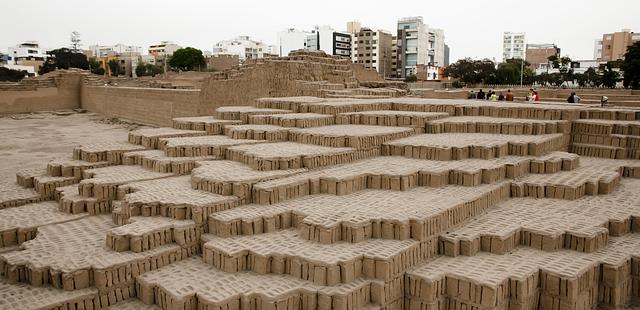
(31, 140)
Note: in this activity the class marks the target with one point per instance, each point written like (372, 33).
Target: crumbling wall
(300, 74)
(54, 93)
(151, 106)
(365, 75)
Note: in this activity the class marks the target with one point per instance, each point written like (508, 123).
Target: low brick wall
(151, 106)
(33, 99)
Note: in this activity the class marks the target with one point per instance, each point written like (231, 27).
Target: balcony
(411, 50)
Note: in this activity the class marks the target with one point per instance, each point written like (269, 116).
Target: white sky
(472, 28)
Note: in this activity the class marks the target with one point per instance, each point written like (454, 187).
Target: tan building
(537, 55)
(373, 49)
(614, 45)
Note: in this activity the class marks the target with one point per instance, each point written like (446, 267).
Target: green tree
(609, 78)
(187, 59)
(564, 66)
(64, 58)
(147, 70)
(631, 66)
(10, 75)
(95, 67)
(509, 71)
(472, 71)
(114, 67)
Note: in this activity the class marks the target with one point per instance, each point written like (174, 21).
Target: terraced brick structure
(336, 203)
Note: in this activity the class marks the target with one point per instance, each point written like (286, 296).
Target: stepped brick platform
(20, 224)
(417, 120)
(400, 173)
(243, 113)
(82, 260)
(158, 161)
(104, 151)
(102, 183)
(258, 132)
(284, 252)
(548, 224)
(300, 120)
(190, 283)
(173, 198)
(289, 204)
(497, 125)
(149, 137)
(456, 146)
(15, 195)
(529, 277)
(201, 146)
(233, 178)
(355, 136)
(210, 124)
(424, 213)
(289, 155)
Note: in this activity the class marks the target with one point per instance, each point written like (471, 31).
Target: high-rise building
(597, 49)
(243, 46)
(332, 42)
(614, 45)
(373, 50)
(538, 54)
(513, 45)
(447, 53)
(417, 45)
(353, 27)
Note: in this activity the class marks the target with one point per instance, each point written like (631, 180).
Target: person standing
(509, 95)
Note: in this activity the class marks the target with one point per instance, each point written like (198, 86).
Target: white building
(290, 40)
(28, 50)
(578, 66)
(418, 44)
(164, 48)
(110, 50)
(325, 38)
(597, 49)
(243, 46)
(514, 45)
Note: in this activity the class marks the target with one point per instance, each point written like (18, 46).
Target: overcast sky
(473, 28)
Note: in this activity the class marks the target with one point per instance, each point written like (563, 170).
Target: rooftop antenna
(75, 41)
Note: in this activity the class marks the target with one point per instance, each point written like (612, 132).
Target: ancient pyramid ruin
(330, 203)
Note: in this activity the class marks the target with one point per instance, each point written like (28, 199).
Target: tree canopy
(10, 75)
(147, 70)
(631, 66)
(64, 58)
(187, 59)
(471, 71)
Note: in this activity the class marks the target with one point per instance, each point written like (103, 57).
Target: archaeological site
(306, 182)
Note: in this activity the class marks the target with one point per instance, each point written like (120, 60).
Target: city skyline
(470, 31)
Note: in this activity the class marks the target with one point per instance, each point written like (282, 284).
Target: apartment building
(164, 48)
(373, 50)
(537, 55)
(325, 38)
(513, 45)
(417, 44)
(109, 50)
(243, 46)
(27, 55)
(291, 39)
(613, 46)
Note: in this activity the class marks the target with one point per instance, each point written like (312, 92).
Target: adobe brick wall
(151, 106)
(20, 99)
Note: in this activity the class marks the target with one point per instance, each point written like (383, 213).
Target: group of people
(491, 95)
(573, 98)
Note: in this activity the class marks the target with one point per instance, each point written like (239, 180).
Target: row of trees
(184, 59)
(473, 71)
(470, 72)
